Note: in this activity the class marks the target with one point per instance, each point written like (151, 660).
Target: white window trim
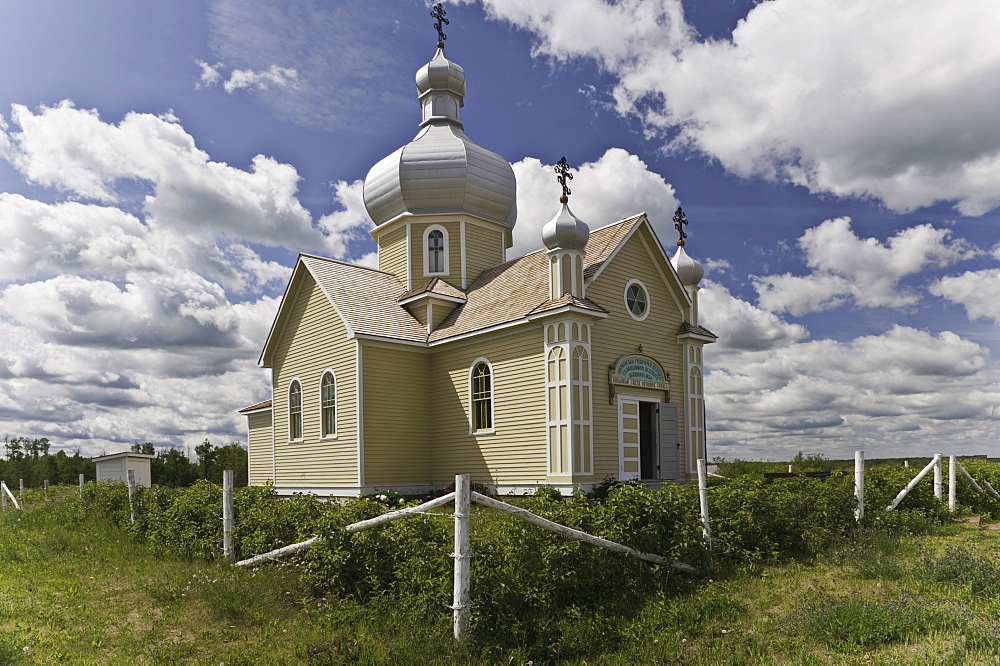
(288, 410)
(692, 426)
(559, 467)
(426, 250)
(586, 466)
(493, 399)
(336, 406)
(649, 304)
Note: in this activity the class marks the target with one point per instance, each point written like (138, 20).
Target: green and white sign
(640, 371)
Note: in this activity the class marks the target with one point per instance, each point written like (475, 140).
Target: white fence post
(81, 485)
(227, 515)
(859, 484)
(45, 484)
(3, 498)
(937, 476)
(462, 555)
(20, 491)
(789, 469)
(706, 530)
(952, 483)
(131, 494)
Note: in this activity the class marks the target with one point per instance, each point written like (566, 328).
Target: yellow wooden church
(565, 367)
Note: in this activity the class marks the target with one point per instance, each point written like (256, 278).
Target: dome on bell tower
(441, 171)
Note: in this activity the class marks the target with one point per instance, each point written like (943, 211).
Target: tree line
(30, 460)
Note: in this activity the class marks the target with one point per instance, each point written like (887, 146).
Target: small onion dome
(565, 231)
(442, 76)
(441, 171)
(688, 270)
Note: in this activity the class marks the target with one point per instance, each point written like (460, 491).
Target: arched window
(436, 250)
(295, 411)
(328, 405)
(481, 392)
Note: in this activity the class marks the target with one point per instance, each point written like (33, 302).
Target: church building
(568, 366)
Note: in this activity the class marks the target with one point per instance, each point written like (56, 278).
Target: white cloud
(210, 74)
(864, 272)
(248, 79)
(976, 291)
(616, 186)
(893, 393)
(741, 326)
(885, 100)
(126, 319)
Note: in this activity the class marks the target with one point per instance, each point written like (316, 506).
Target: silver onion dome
(688, 270)
(441, 170)
(565, 231)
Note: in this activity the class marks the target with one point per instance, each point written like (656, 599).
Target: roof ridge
(345, 263)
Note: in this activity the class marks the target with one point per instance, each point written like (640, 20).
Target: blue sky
(162, 165)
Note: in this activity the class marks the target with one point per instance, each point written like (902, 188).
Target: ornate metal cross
(679, 221)
(438, 12)
(562, 169)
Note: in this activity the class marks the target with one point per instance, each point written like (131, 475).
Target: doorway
(648, 441)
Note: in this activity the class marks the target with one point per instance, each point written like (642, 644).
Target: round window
(636, 300)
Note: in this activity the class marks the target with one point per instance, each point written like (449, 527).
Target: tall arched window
(295, 411)
(436, 250)
(328, 405)
(481, 392)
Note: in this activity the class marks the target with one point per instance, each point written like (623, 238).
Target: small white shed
(115, 467)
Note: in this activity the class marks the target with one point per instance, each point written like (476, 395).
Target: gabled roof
(435, 286)
(368, 300)
(520, 287)
(253, 408)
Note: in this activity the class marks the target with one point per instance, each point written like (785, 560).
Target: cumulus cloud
(838, 96)
(976, 291)
(888, 393)
(129, 318)
(864, 272)
(615, 186)
(742, 326)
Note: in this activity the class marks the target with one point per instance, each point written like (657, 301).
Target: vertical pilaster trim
(409, 259)
(274, 458)
(359, 406)
(461, 241)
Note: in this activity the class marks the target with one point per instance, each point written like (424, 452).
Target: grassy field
(80, 591)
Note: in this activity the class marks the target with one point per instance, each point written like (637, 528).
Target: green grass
(74, 588)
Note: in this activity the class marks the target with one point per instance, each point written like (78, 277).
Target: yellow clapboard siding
(259, 448)
(392, 253)
(516, 452)
(620, 334)
(313, 339)
(483, 249)
(396, 416)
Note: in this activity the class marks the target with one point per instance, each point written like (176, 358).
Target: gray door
(669, 464)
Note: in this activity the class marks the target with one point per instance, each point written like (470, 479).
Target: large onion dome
(441, 171)
(565, 231)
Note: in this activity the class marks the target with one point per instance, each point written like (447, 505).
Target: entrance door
(669, 442)
(628, 437)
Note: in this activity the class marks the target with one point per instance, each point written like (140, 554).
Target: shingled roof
(368, 299)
